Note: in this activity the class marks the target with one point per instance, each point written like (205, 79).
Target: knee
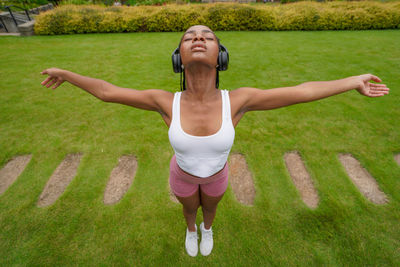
(209, 209)
(191, 209)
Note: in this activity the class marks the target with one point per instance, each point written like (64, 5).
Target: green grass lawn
(147, 229)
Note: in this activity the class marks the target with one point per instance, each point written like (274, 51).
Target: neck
(200, 82)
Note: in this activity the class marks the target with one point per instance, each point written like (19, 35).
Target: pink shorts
(185, 185)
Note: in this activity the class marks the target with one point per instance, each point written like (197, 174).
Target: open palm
(372, 89)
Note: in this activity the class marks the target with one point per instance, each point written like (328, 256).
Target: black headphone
(223, 59)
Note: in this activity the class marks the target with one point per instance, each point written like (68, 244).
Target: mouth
(199, 47)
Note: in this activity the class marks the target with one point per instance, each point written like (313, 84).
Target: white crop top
(202, 156)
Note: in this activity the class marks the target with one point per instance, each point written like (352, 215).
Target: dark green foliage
(224, 17)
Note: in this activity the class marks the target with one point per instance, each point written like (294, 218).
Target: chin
(198, 63)
(201, 60)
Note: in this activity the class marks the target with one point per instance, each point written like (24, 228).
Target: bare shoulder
(243, 92)
(164, 101)
(239, 97)
(162, 95)
(237, 93)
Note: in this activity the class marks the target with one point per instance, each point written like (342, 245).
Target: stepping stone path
(397, 158)
(301, 179)
(362, 179)
(60, 179)
(10, 172)
(120, 180)
(241, 179)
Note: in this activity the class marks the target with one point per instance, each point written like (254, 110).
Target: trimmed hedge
(220, 17)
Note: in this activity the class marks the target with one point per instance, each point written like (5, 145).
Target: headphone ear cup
(223, 58)
(224, 61)
(176, 61)
(219, 60)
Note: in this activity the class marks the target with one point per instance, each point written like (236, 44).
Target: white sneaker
(206, 244)
(191, 242)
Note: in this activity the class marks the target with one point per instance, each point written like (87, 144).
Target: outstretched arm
(153, 99)
(256, 99)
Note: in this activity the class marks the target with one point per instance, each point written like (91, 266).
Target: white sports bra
(202, 156)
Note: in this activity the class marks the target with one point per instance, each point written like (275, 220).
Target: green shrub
(222, 17)
(111, 2)
(26, 4)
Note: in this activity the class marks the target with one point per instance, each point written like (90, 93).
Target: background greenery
(226, 17)
(146, 228)
(28, 4)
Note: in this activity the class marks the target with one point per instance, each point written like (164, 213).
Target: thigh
(191, 202)
(209, 202)
(212, 193)
(186, 193)
(216, 188)
(181, 188)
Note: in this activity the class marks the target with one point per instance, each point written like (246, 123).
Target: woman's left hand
(371, 89)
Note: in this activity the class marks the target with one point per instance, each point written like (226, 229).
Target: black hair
(183, 83)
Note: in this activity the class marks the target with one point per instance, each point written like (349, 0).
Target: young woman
(202, 118)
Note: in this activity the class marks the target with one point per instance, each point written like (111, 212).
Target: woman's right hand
(55, 77)
(371, 89)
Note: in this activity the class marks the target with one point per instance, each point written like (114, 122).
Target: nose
(198, 37)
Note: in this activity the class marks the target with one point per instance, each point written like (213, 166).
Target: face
(199, 45)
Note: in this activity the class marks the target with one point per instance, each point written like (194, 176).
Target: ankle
(192, 228)
(205, 228)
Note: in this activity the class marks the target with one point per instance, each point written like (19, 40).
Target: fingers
(46, 81)
(374, 92)
(378, 91)
(377, 84)
(375, 95)
(53, 81)
(44, 72)
(57, 84)
(378, 87)
(49, 81)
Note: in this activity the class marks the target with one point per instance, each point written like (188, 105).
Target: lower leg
(208, 217)
(209, 202)
(209, 206)
(190, 217)
(190, 206)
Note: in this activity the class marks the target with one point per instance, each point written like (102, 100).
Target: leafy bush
(111, 2)
(27, 4)
(242, 17)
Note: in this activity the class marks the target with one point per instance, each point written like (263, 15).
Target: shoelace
(207, 235)
(192, 235)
